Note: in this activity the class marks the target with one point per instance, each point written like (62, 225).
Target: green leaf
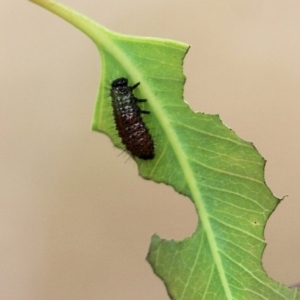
(202, 159)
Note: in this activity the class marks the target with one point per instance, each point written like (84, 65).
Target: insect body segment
(129, 123)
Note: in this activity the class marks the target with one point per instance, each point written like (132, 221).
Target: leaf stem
(92, 29)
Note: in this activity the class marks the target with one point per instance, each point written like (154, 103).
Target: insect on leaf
(201, 158)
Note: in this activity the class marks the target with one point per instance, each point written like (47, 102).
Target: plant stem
(92, 29)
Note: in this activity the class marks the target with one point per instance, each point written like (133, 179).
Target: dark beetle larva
(131, 128)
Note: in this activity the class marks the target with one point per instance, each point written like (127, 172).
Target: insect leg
(135, 86)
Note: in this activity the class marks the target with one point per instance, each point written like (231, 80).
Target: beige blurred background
(75, 219)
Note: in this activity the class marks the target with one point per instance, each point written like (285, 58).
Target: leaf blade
(202, 159)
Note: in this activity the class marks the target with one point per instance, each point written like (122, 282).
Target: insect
(129, 123)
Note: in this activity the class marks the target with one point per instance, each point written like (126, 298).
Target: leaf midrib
(184, 162)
